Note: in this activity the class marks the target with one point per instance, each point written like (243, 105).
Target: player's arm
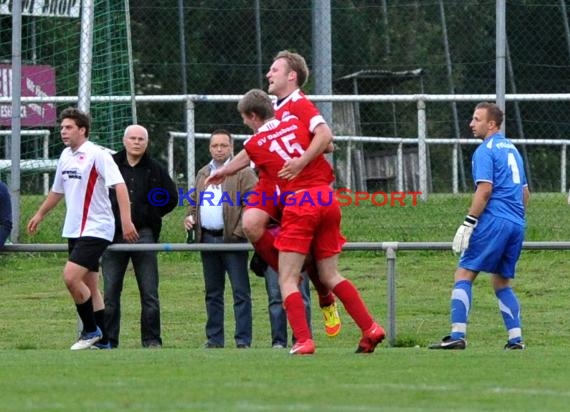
(321, 143)
(49, 203)
(480, 199)
(130, 233)
(526, 196)
(240, 161)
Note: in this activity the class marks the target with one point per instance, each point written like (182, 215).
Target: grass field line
(541, 392)
(239, 406)
(455, 388)
(421, 388)
(296, 406)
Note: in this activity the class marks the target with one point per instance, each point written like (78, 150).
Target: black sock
(100, 319)
(85, 311)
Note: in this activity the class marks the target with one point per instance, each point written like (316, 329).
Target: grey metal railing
(390, 249)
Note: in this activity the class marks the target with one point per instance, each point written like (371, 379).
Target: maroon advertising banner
(37, 81)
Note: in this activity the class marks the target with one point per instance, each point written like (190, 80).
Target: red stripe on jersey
(93, 175)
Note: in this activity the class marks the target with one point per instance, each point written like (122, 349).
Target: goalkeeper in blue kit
(491, 237)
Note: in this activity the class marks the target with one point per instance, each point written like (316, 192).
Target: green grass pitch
(38, 324)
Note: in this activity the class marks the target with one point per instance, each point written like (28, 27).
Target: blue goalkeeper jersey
(498, 162)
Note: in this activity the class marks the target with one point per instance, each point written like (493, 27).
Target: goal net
(51, 52)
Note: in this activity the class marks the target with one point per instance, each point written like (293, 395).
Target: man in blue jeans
(153, 195)
(216, 218)
(5, 214)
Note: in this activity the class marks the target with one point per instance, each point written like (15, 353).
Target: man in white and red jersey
(310, 219)
(287, 74)
(84, 173)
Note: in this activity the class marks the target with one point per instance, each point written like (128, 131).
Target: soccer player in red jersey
(287, 74)
(310, 222)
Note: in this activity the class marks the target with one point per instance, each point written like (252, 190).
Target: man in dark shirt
(153, 194)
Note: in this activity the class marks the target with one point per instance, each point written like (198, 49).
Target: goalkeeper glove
(463, 234)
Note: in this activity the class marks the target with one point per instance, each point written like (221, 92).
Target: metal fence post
(170, 156)
(391, 280)
(190, 144)
(422, 150)
(563, 169)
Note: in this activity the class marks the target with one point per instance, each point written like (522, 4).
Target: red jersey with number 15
(279, 141)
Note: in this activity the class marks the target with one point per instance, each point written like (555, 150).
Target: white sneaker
(86, 340)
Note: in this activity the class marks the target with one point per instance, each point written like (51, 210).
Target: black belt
(217, 233)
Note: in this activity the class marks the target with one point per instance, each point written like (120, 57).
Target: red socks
(295, 309)
(353, 303)
(266, 249)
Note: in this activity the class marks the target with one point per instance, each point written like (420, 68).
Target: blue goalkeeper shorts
(495, 247)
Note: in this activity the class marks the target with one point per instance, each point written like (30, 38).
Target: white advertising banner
(44, 8)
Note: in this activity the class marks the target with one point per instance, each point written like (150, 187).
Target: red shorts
(265, 196)
(311, 224)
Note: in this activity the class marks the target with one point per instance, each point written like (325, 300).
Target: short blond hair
(297, 64)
